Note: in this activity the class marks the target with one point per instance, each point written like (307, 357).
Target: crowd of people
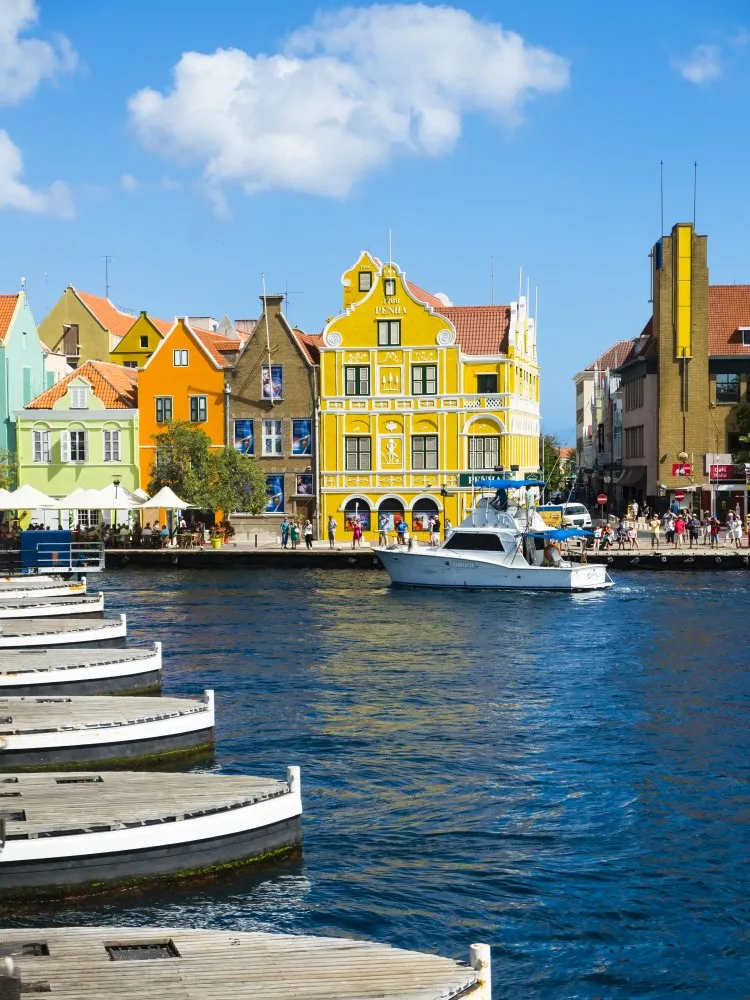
(680, 529)
(294, 529)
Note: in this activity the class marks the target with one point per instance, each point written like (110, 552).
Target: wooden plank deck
(50, 714)
(83, 962)
(61, 801)
(53, 631)
(14, 661)
(32, 607)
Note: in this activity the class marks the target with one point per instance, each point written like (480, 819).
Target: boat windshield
(475, 541)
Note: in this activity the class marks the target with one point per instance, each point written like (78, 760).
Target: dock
(80, 671)
(64, 834)
(701, 559)
(73, 606)
(21, 587)
(38, 633)
(79, 731)
(141, 963)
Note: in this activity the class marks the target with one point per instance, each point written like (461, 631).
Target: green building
(22, 364)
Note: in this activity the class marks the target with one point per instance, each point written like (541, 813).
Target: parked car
(565, 515)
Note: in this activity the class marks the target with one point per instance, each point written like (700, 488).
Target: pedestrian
(654, 525)
(622, 534)
(284, 526)
(332, 532)
(715, 528)
(669, 528)
(706, 528)
(308, 533)
(448, 527)
(383, 531)
(402, 532)
(679, 531)
(735, 533)
(597, 537)
(694, 530)
(435, 532)
(633, 534)
(294, 532)
(635, 508)
(356, 534)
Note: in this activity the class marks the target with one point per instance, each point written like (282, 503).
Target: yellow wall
(683, 292)
(94, 341)
(391, 415)
(129, 348)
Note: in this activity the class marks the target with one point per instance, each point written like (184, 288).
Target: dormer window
(144, 340)
(389, 285)
(79, 398)
(744, 332)
(365, 281)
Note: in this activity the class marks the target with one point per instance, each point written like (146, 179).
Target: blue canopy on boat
(560, 534)
(506, 484)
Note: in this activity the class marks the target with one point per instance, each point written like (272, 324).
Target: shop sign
(682, 469)
(726, 472)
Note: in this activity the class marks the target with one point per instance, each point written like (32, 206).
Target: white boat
(489, 550)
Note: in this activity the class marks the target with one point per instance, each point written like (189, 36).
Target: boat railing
(72, 557)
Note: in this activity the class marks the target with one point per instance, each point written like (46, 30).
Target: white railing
(52, 557)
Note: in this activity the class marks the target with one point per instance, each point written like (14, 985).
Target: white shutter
(37, 446)
(85, 446)
(115, 446)
(64, 446)
(107, 446)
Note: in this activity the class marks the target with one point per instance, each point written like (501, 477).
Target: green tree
(554, 469)
(741, 414)
(233, 482)
(181, 460)
(8, 470)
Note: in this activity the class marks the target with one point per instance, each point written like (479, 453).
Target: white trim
(109, 668)
(30, 608)
(482, 415)
(18, 639)
(427, 496)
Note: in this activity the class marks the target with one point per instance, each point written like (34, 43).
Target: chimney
(272, 303)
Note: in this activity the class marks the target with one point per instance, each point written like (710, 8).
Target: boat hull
(443, 569)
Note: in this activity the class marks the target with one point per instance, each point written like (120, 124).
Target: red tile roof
(106, 313)
(114, 385)
(728, 309)
(218, 347)
(479, 329)
(162, 325)
(8, 305)
(427, 297)
(613, 357)
(310, 343)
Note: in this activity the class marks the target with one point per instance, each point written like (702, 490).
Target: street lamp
(116, 484)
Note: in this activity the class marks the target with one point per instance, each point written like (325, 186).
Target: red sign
(601, 499)
(726, 472)
(679, 496)
(683, 469)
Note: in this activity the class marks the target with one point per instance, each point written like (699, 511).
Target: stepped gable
(115, 385)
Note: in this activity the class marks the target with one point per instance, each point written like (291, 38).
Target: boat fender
(635, 561)
(745, 561)
(175, 561)
(610, 560)
(663, 559)
(717, 560)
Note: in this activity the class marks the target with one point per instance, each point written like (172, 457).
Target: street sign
(602, 499)
(679, 496)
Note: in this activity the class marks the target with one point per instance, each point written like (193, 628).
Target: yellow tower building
(419, 396)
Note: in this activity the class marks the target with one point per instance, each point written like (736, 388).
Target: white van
(565, 515)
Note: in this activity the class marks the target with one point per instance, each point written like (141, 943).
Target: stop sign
(602, 499)
(679, 496)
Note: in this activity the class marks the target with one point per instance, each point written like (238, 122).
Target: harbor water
(563, 777)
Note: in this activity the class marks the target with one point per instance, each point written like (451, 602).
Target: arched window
(421, 513)
(393, 509)
(356, 508)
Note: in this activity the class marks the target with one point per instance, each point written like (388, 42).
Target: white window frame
(79, 397)
(111, 445)
(40, 441)
(389, 333)
(274, 436)
(66, 447)
(365, 277)
(389, 287)
(180, 357)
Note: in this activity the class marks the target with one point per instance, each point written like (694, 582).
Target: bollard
(480, 959)
(293, 779)
(10, 980)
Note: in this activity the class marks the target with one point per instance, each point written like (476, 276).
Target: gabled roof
(106, 313)
(427, 297)
(162, 325)
(310, 344)
(8, 305)
(218, 347)
(114, 385)
(728, 309)
(613, 357)
(479, 329)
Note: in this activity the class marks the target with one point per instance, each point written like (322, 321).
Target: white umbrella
(83, 499)
(5, 495)
(28, 497)
(119, 498)
(167, 499)
(141, 494)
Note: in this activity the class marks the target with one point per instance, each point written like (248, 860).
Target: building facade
(140, 342)
(82, 432)
(23, 372)
(417, 395)
(84, 327)
(272, 405)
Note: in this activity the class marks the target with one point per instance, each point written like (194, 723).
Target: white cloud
(25, 62)
(56, 200)
(344, 96)
(128, 182)
(703, 65)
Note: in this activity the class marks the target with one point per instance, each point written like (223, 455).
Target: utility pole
(107, 258)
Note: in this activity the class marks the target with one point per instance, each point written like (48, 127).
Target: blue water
(564, 777)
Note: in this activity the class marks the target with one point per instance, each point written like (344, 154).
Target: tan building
(273, 390)
(84, 327)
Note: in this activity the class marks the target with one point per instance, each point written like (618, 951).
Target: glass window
(424, 451)
(389, 332)
(272, 381)
(727, 388)
(78, 397)
(487, 383)
(244, 437)
(111, 446)
(389, 286)
(357, 511)
(423, 513)
(484, 452)
(163, 409)
(424, 380)
(76, 441)
(365, 281)
(41, 446)
(198, 409)
(357, 380)
(180, 359)
(358, 452)
(273, 437)
(144, 340)
(130, 364)
(474, 541)
(745, 334)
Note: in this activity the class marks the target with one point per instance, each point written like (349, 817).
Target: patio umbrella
(83, 499)
(4, 496)
(119, 498)
(167, 499)
(28, 497)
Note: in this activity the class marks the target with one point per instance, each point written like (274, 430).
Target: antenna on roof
(492, 280)
(661, 195)
(287, 293)
(268, 347)
(107, 258)
(390, 246)
(695, 188)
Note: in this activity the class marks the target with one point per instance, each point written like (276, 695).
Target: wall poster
(302, 437)
(244, 437)
(275, 490)
(272, 381)
(304, 485)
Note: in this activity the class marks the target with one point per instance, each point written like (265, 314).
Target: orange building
(184, 379)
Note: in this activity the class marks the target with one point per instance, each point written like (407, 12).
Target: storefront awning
(633, 477)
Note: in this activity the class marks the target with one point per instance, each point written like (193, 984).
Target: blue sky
(541, 151)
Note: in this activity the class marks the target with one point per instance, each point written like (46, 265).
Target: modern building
(681, 382)
(419, 395)
(23, 372)
(84, 327)
(82, 432)
(272, 404)
(141, 340)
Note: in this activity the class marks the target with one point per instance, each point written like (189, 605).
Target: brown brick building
(272, 408)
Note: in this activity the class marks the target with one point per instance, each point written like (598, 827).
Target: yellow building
(140, 342)
(418, 394)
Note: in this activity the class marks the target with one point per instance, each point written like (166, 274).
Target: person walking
(679, 531)
(284, 527)
(694, 530)
(735, 533)
(402, 532)
(435, 532)
(654, 525)
(383, 531)
(294, 533)
(715, 528)
(597, 537)
(308, 533)
(332, 532)
(356, 534)
(633, 533)
(448, 527)
(669, 528)
(706, 528)
(635, 509)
